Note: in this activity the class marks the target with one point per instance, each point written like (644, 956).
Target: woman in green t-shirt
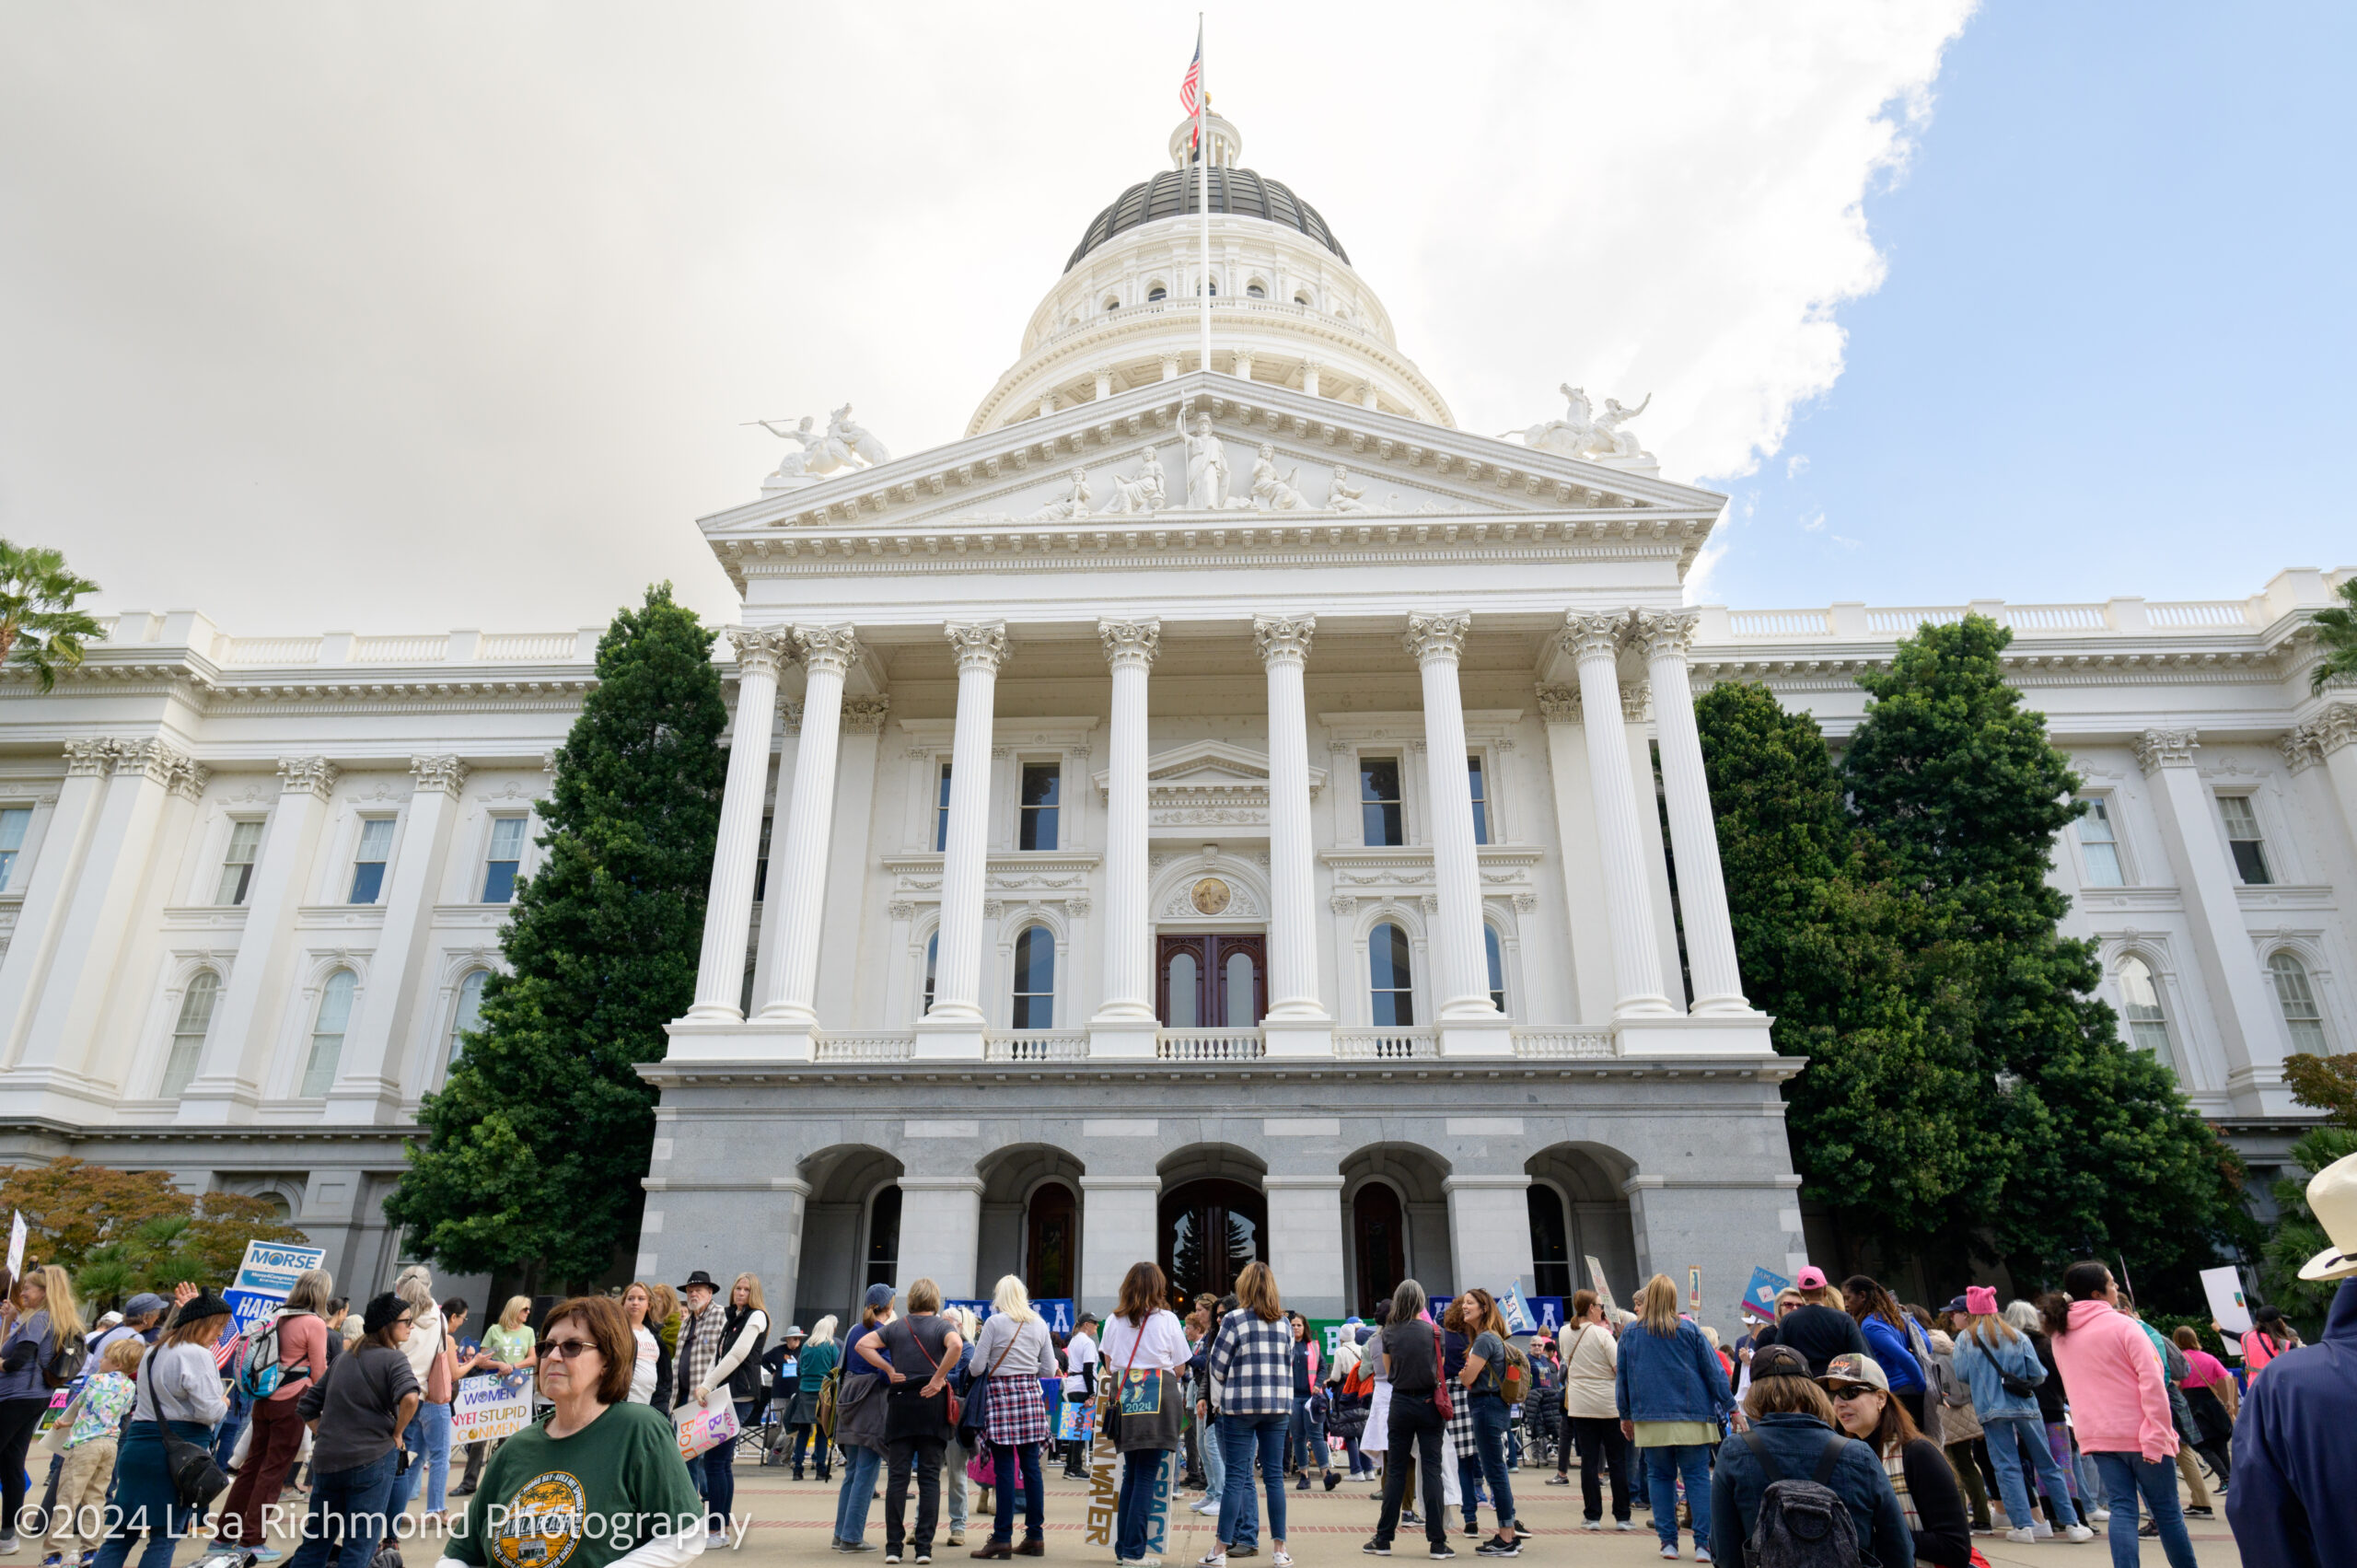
(508, 1342)
(599, 1479)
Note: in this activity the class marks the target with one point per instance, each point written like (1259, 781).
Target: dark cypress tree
(538, 1142)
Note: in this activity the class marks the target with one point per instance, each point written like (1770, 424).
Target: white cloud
(1796, 465)
(1813, 521)
(448, 315)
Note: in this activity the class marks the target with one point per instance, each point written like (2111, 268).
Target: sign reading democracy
(489, 1408)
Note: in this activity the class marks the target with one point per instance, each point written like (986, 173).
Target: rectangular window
(1379, 815)
(2243, 838)
(13, 823)
(2099, 846)
(761, 864)
(1480, 787)
(941, 812)
(506, 856)
(238, 865)
(1043, 789)
(368, 862)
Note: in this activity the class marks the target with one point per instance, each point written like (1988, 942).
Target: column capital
(89, 759)
(1667, 634)
(760, 647)
(826, 648)
(189, 778)
(2303, 746)
(865, 716)
(1431, 638)
(978, 644)
(437, 776)
(313, 776)
(1634, 699)
(1283, 637)
(1559, 704)
(2335, 727)
(1594, 633)
(1130, 642)
(154, 759)
(2158, 748)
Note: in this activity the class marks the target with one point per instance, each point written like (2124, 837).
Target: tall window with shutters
(2297, 998)
(189, 1031)
(2148, 1021)
(2099, 846)
(466, 1018)
(2244, 840)
(505, 858)
(13, 822)
(326, 1033)
(368, 860)
(238, 862)
(1391, 992)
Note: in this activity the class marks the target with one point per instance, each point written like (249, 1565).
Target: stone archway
(1211, 1218)
(1395, 1218)
(1578, 1211)
(1030, 1221)
(839, 1238)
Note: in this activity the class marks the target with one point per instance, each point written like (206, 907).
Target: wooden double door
(1211, 982)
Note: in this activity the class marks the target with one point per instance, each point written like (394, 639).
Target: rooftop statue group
(1582, 432)
(846, 445)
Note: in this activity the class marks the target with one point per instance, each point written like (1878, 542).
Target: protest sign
(271, 1268)
(1547, 1313)
(1596, 1278)
(1693, 1289)
(490, 1407)
(1077, 1421)
(1760, 1295)
(250, 1309)
(2227, 1307)
(1515, 1312)
(16, 1247)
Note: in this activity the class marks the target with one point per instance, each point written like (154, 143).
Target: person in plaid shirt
(1250, 1367)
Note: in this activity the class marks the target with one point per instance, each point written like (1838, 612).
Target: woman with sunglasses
(600, 1478)
(1919, 1473)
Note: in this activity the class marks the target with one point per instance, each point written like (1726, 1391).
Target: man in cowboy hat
(2291, 1505)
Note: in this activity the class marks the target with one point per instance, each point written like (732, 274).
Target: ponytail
(2080, 1282)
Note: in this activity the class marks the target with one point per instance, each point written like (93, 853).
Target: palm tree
(2337, 628)
(39, 625)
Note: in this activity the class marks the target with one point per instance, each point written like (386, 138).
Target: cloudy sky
(408, 318)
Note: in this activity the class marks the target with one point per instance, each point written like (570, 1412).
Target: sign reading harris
(271, 1268)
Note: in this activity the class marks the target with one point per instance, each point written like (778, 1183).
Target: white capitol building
(1210, 801)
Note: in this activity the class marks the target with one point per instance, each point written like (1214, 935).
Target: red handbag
(1441, 1401)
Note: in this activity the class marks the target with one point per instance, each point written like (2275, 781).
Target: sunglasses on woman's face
(1854, 1391)
(564, 1349)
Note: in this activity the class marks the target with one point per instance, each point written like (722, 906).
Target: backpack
(1514, 1377)
(64, 1363)
(1802, 1524)
(257, 1373)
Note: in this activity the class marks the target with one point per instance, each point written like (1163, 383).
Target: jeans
(1214, 1463)
(806, 1439)
(1415, 1423)
(1246, 1437)
(2124, 1476)
(428, 1438)
(1489, 1462)
(720, 1475)
(1140, 1474)
(859, 1490)
(348, 1516)
(1663, 1467)
(2008, 1434)
(1305, 1437)
(953, 1470)
(1008, 1459)
(924, 1455)
(1360, 1463)
(1601, 1448)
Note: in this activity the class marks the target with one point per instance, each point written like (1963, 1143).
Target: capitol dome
(1240, 192)
(1288, 309)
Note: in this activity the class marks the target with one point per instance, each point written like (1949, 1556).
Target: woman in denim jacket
(1672, 1396)
(1988, 1352)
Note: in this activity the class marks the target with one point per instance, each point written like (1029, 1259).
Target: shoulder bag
(957, 1405)
(1441, 1401)
(196, 1479)
(971, 1428)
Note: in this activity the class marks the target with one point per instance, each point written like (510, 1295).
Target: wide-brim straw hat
(2332, 1196)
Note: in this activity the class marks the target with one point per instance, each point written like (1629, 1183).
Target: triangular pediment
(1208, 772)
(1094, 465)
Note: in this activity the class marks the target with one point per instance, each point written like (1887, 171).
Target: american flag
(1190, 85)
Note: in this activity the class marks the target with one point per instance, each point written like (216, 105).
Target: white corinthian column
(954, 1028)
(1462, 993)
(1298, 1023)
(798, 862)
(1594, 643)
(728, 911)
(1126, 1022)
(1693, 828)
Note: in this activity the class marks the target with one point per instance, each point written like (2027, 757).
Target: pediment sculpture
(1587, 435)
(846, 446)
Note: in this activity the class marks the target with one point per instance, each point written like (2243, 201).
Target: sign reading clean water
(271, 1268)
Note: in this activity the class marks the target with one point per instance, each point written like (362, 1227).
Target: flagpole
(1203, 164)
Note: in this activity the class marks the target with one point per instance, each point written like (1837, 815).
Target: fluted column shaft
(1693, 826)
(957, 974)
(728, 910)
(1463, 991)
(1130, 648)
(1594, 643)
(798, 862)
(1292, 915)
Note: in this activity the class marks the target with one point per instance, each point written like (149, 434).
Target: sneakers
(1670, 1552)
(1558, 1480)
(1440, 1552)
(1215, 1558)
(1472, 1530)
(2192, 1512)
(924, 1557)
(891, 1554)
(2078, 1532)
(1378, 1547)
(2043, 1530)
(1280, 1559)
(1702, 1553)
(1409, 1517)
(54, 1560)
(2020, 1537)
(1624, 1524)
(1332, 1481)
(2100, 1516)
(1592, 1524)
(957, 1537)
(1499, 1546)
(1208, 1505)
(8, 1547)
(1300, 1482)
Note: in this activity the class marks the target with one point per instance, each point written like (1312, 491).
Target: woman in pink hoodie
(2119, 1405)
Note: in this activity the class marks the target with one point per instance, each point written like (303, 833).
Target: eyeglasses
(562, 1349)
(1854, 1391)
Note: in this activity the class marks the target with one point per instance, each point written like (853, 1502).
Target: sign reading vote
(271, 1268)
(490, 1407)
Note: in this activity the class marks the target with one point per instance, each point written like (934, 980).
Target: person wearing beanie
(2002, 1370)
(360, 1412)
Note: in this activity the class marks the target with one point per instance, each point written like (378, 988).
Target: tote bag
(708, 1425)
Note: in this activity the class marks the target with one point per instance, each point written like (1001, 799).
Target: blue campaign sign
(248, 1309)
(1546, 1311)
(271, 1268)
(1762, 1292)
(1058, 1312)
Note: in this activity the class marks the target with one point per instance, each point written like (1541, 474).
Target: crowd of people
(1841, 1415)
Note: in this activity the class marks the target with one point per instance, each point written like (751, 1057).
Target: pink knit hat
(1981, 1301)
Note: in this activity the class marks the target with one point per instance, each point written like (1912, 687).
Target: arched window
(1390, 985)
(2298, 1000)
(1111, 303)
(2148, 1023)
(884, 1237)
(1497, 976)
(1550, 1240)
(469, 1016)
(932, 962)
(1156, 292)
(1302, 299)
(1254, 291)
(1035, 979)
(187, 1034)
(327, 1034)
